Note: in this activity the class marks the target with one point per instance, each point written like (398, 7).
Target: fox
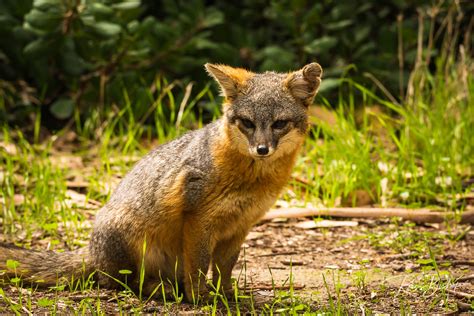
(187, 206)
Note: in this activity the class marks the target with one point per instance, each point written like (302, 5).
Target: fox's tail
(44, 268)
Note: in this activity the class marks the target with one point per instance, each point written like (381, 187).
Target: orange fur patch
(238, 75)
(163, 238)
(232, 80)
(245, 188)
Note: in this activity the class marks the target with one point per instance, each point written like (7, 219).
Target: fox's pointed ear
(231, 80)
(304, 83)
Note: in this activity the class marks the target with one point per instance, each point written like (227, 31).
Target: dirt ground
(366, 266)
(367, 274)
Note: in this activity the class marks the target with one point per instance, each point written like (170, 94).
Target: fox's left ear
(304, 83)
(231, 80)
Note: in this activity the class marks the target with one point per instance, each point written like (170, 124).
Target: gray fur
(140, 193)
(265, 101)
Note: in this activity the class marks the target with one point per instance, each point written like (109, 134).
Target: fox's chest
(243, 190)
(236, 207)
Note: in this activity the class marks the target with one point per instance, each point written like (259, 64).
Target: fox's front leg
(224, 257)
(196, 257)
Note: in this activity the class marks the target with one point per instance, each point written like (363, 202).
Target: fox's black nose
(262, 150)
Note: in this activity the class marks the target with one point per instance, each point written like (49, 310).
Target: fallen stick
(463, 307)
(81, 297)
(273, 254)
(466, 278)
(458, 262)
(460, 294)
(415, 215)
(9, 300)
(399, 256)
(264, 287)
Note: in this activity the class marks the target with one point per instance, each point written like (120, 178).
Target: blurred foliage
(65, 56)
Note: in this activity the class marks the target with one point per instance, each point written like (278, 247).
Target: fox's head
(266, 113)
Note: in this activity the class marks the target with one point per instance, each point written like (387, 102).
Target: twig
(466, 278)
(80, 297)
(460, 294)
(458, 262)
(415, 215)
(399, 256)
(301, 180)
(284, 253)
(9, 300)
(463, 307)
(276, 287)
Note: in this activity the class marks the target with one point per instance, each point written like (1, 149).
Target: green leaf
(46, 4)
(15, 280)
(50, 226)
(133, 26)
(299, 307)
(338, 25)
(320, 45)
(127, 5)
(139, 53)
(100, 9)
(45, 302)
(12, 264)
(125, 271)
(424, 261)
(276, 58)
(147, 24)
(36, 47)
(362, 33)
(107, 29)
(7, 21)
(213, 17)
(71, 62)
(44, 20)
(15, 7)
(204, 43)
(62, 108)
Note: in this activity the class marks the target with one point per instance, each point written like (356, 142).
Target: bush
(58, 56)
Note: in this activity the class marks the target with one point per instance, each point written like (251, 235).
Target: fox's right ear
(231, 80)
(304, 83)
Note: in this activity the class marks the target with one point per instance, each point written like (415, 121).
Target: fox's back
(160, 168)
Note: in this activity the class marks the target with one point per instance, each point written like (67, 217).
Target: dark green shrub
(58, 56)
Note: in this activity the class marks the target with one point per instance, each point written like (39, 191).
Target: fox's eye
(280, 124)
(247, 123)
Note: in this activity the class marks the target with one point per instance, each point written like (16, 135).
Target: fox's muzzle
(262, 150)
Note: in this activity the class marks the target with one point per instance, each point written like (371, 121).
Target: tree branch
(415, 215)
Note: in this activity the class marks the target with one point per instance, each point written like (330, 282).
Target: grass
(415, 154)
